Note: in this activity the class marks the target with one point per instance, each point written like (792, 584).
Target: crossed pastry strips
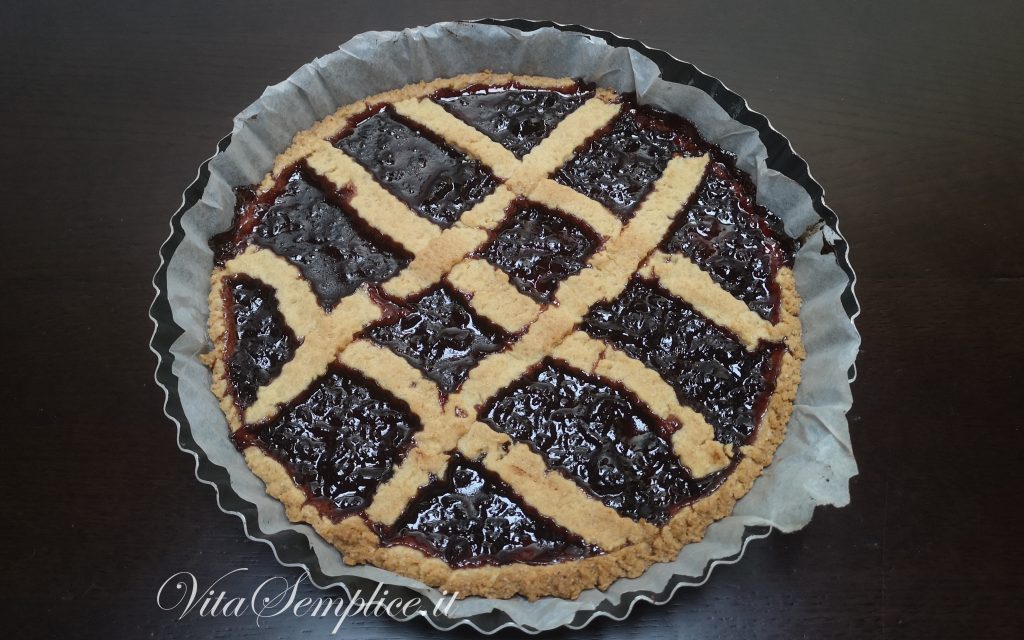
(546, 330)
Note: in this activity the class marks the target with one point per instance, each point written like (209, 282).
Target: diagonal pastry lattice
(451, 425)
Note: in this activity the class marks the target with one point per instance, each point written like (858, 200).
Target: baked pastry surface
(505, 335)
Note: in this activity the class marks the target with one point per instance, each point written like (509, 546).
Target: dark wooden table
(911, 115)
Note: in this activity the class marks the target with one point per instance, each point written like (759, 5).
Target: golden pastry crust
(629, 248)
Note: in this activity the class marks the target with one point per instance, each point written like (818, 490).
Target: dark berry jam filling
(311, 224)
(539, 248)
(436, 181)
(471, 518)
(619, 165)
(259, 341)
(740, 244)
(340, 439)
(601, 437)
(708, 367)
(441, 336)
(514, 117)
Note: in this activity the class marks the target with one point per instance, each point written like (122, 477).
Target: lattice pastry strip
(681, 277)
(493, 296)
(591, 213)
(549, 492)
(372, 202)
(627, 249)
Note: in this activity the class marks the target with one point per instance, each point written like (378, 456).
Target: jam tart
(505, 335)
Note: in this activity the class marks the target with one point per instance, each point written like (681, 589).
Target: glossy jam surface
(619, 165)
(599, 436)
(317, 231)
(340, 439)
(709, 368)
(539, 248)
(471, 518)
(517, 119)
(259, 340)
(737, 242)
(441, 336)
(436, 181)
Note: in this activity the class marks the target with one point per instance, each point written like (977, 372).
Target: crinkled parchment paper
(814, 463)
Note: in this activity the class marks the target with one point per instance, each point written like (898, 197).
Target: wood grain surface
(911, 114)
